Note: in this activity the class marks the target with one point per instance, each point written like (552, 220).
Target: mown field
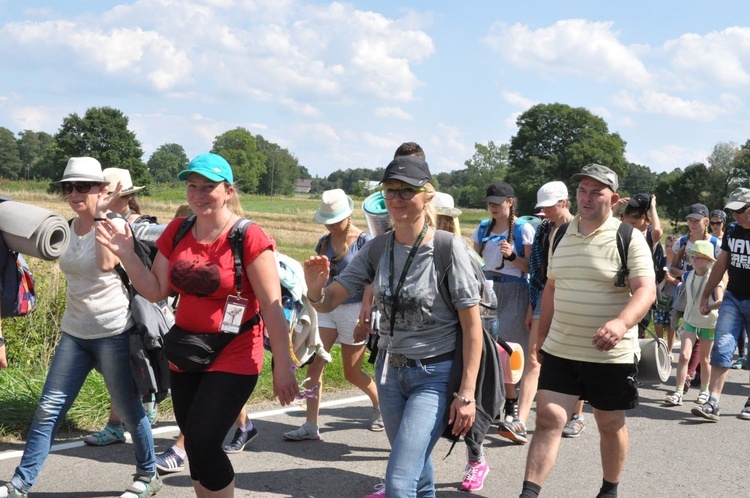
(32, 339)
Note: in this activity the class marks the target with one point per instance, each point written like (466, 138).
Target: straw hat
(335, 206)
(114, 175)
(83, 169)
(443, 204)
(703, 249)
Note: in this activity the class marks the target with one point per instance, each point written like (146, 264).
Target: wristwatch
(2, 342)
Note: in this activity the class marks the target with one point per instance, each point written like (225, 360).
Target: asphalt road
(672, 454)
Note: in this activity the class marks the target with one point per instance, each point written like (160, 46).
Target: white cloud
(33, 117)
(517, 100)
(585, 48)
(670, 157)
(301, 108)
(318, 131)
(393, 112)
(654, 102)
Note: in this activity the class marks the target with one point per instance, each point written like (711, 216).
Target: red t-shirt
(203, 275)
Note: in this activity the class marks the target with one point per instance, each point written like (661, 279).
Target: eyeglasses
(80, 187)
(741, 211)
(406, 193)
(715, 222)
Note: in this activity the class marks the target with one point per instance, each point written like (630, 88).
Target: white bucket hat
(443, 204)
(83, 169)
(114, 175)
(335, 206)
(550, 194)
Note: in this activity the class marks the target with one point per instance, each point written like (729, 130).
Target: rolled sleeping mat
(512, 363)
(34, 231)
(376, 215)
(655, 364)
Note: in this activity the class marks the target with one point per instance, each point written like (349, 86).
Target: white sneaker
(376, 421)
(306, 431)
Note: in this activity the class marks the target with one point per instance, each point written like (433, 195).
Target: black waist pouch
(193, 351)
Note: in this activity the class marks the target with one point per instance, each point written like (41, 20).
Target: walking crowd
(443, 316)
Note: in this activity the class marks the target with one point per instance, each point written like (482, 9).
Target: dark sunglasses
(406, 193)
(80, 187)
(741, 211)
(715, 222)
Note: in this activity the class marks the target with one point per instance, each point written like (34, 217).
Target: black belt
(399, 361)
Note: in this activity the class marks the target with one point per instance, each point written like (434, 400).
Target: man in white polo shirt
(588, 331)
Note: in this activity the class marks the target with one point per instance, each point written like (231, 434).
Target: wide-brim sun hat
(335, 206)
(83, 169)
(703, 249)
(115, 175)
(408, 169)
(550, 194)
(443, 204)
(212, 166)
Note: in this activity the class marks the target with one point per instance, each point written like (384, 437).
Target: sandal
(674, 399)
(143, 487)
(105, 437)
(703, 397)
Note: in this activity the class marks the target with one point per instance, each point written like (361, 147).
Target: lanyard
(402, 278)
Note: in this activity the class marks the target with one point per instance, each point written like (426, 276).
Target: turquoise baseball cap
(212, 166)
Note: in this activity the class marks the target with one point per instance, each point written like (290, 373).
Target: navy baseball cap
(408, 169)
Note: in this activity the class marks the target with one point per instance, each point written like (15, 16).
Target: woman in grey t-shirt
(418, 329)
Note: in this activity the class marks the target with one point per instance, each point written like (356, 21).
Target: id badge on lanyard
(234, 310)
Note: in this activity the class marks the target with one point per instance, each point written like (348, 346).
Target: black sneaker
(240, 440)
(709, 410)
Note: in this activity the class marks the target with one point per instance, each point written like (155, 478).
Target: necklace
(195, 230)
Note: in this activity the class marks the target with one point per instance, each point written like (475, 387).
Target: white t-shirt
(492, 255)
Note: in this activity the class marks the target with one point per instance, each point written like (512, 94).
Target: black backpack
(659, 256)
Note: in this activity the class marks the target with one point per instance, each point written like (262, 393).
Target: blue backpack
(484, 229)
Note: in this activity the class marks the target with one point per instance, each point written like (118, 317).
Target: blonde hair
(429, 210)
(452, 223)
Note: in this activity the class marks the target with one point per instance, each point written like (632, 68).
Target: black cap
(718, 213)
(408, 169)
(697, 211)
(498, 192)
(640, 201)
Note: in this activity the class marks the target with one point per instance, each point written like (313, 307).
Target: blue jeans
(413, 402)
(73, 360)
(734, 316)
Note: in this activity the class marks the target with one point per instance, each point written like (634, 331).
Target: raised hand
(119, 243)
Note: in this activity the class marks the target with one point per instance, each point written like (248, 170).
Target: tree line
(553, 142)
(260, 166)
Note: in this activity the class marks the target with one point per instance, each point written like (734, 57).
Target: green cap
(599, 173)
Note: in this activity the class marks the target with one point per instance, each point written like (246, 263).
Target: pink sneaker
(475, 475)
(379, 491)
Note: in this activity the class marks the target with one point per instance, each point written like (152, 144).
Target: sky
(342, 84)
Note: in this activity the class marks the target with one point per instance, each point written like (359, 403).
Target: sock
(248, 426)
(115, 424)
(704, 388)
(714, 398)
(180, 452)
(681, 389)
(608, 489)
(530, 490)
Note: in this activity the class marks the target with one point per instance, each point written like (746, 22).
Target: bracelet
(512, 257)
(468, 401)
(320, 299)
(100, 219)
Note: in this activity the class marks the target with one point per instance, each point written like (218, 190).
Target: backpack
(659, 257)
(484, 229)
(16, 283)
(624, 234)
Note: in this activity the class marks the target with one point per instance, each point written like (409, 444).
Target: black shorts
(606, 386)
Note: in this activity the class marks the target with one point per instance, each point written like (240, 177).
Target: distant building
(302, 186)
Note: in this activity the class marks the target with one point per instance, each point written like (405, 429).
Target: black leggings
(206, 405)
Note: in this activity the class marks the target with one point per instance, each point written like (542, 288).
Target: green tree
(724, 173)
(11, 166)
(238, 147)
(282, 169)
(554, 141)
(101, 133)
(32, 147)
(639, 179)
(677, 190)
(166, 162)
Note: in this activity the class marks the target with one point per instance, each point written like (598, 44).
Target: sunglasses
(80, 187)
(406, 193)
(741, 211)
(715, 222)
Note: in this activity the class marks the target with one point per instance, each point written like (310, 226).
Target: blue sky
(342, 84)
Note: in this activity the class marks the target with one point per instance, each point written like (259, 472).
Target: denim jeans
(413, 402)
(73, 360)
(734, 316)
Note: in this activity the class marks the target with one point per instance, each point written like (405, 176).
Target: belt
(508, 279)
(399, 361)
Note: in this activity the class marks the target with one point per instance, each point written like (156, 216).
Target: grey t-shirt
(425, 324)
